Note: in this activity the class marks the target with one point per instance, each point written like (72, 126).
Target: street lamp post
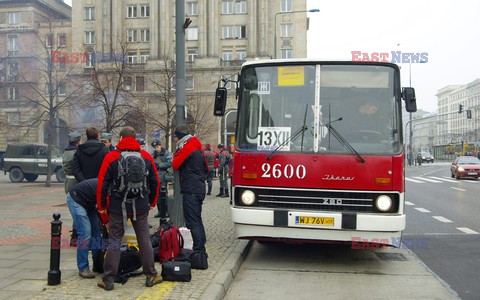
(275, 25)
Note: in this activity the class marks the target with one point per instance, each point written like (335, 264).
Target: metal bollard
(54, 274)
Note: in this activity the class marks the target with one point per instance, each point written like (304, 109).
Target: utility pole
(176, 212)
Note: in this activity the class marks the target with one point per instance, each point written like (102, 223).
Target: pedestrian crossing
(436, 179)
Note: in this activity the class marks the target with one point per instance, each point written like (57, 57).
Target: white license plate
(472, 173)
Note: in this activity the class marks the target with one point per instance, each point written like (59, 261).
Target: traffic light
(460, 108)
(469, 114)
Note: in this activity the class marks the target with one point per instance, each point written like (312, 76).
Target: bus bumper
(347, 227)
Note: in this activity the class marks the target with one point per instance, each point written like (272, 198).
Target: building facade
(23, 51)
(221, 36)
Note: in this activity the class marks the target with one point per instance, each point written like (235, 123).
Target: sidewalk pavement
(25, 252)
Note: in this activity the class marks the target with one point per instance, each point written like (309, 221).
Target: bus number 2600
(277, 171)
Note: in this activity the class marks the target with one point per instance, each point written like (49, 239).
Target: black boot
(220, 194)
(225, 193)
(209, 190)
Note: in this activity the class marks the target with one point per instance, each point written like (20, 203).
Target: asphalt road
(445, 212)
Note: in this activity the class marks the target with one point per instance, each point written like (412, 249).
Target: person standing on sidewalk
(210, 157)
(89, 156)
(223, 157)
(67, 165)
(116, 203)
(190, 161)
(81, 201)
(163, 161)
(67, 159)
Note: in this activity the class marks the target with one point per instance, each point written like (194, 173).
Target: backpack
(132, 180)
(171, 242)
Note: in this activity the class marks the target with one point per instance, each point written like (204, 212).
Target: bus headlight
(248, 197)
(383, 203)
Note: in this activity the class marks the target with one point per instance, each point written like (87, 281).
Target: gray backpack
(132, 179)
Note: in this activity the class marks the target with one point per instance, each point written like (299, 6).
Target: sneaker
(86, 274)
(108, 286)
(151, 281)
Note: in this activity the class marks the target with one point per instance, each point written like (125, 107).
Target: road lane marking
(408, 203)
(443, 179)
(422, 210)
(458, 189)
(442, 219)
(467, 230)
(413, 180)
(427, 179)
(468, 181)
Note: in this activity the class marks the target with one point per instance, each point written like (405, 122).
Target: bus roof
(313, 60)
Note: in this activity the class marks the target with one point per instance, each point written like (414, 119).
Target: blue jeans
(192, 210)
(87, 223)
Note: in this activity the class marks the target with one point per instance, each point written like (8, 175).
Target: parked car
(465, 166)
(426, 157)
(28, 161)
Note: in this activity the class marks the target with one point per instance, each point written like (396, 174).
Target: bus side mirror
(408, 95)
(220, 102)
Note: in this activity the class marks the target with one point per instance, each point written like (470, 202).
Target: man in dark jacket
(210, 157)
(189, 160)
(67, 159)
(223, 157)
(113, 204)
(89, 156)
(81, 202)
(163, 161)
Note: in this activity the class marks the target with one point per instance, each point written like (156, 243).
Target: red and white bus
(319, 151)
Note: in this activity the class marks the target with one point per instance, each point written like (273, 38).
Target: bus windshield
(291, 105)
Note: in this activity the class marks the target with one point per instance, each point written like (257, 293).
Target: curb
(218, 287)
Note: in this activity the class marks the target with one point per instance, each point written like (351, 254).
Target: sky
(449, 31)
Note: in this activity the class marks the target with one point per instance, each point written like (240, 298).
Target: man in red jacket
(191, 163)
(115, 205)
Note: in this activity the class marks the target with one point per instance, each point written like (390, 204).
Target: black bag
(175, 270)
(199, 260)
(127, 267)
(129, 263)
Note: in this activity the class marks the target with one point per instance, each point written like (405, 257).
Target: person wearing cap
(189, 160)
(210, 157)
(163, 161)
(142, 143)
(67, 160)
(106, 139)
(223, 157)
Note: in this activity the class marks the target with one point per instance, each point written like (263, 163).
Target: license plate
(472, 173)
(322, 221)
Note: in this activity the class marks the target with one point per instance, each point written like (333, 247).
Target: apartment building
(221, 36)
(24, 26)
(456, 127)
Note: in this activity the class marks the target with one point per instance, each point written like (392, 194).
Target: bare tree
(164, 94)
(111, 88)
(46, 84)
(200, 112)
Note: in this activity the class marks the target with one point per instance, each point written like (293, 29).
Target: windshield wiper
(290, 139)
(304, 123)
(342, 141)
